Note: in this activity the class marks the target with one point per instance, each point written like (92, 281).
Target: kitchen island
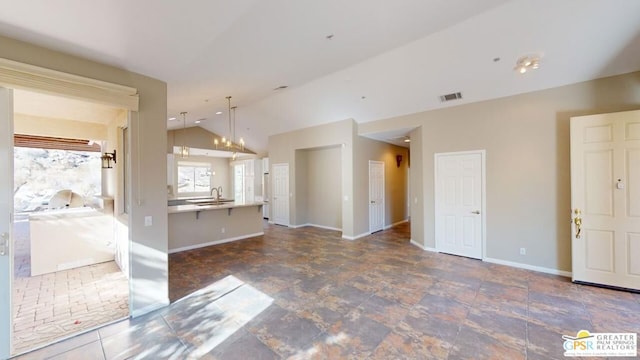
(193, 226)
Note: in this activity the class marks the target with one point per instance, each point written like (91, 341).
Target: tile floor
(306, 294)
(60, 304)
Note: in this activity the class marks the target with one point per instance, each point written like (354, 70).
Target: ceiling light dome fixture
(526, 63)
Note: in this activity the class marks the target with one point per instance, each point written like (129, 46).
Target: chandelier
(228, 143)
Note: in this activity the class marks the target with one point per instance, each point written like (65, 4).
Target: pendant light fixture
(228, 142)
(184, 150)
(233, 133)
(241, 141)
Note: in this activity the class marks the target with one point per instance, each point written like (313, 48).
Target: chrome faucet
(218, 191)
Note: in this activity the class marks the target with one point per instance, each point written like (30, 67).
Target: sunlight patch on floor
(223, 308)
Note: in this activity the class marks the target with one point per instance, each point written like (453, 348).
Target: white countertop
(229, 205)
(189, 197)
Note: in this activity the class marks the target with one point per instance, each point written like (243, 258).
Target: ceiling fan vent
(450, 97)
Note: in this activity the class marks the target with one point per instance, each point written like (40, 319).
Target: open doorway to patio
(70, 261)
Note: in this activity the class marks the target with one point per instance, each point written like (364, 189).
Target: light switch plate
(148, 220)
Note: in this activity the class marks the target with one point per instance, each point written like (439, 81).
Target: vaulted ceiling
(340, 59)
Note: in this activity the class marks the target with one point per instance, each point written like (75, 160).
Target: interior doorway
(459, 203)
(280, 210)
(376, 196)
(66, 279)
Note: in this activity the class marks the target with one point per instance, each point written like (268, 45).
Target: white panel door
(6, 210)
(459, 203)
(605, 199)
(376, 196)
(280, 204)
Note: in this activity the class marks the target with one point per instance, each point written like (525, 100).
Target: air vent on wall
(452, 96)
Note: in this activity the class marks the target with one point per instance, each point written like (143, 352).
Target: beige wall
(324, 187)
(149, 267)
(44, 126)
(526, 138)
(191, 230)
(301, 199)
(194, 137)
(282, 149)
(395, 189)
(416, 193)
(316, 152)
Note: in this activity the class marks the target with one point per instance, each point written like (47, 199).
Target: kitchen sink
(204, 202)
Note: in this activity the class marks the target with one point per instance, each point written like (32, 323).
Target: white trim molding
(324, 227)
(17, 75)
(529, 267)
(425, 248)
(412, 242)
(356, 237)
(149, 308)
(216, 242)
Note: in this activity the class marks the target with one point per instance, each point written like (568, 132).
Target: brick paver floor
(56, 305)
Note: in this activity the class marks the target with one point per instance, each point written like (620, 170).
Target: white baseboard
(216, 242)
(426, 248)
(149, 308)
(416, 244)
(396, 224)
(315, 225)
(528, 267)
(324, 227)
(356, 237)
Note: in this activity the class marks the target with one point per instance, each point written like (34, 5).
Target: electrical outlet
(223, 230)
(523, 251)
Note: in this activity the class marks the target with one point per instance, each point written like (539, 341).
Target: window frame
(194, 164)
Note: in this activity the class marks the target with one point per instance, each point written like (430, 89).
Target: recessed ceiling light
(363, 97)
(172, 118)
(198, 121)
(281, 87)
(218, 112)
(407, 140)
(496, 59)
(329, 37)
